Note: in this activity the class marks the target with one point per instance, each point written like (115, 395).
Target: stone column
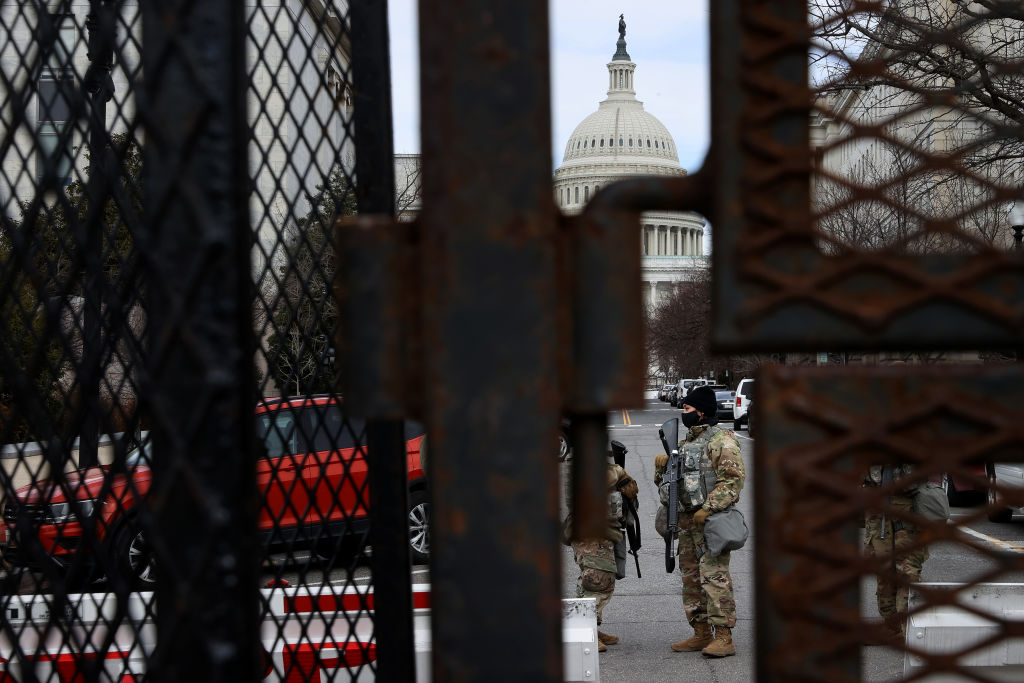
(652, 297)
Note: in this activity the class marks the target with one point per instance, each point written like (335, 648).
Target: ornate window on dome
(586, 193)
(584, 144)
(602, 142)
(577, 194)
(631, 142)
(593, 143)
(577, 144)
(620, 142)
(648, 142)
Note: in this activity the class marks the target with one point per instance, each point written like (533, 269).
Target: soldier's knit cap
(703, 399)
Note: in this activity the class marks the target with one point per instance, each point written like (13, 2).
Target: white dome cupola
(621, 68)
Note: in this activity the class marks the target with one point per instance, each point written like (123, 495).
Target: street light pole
(1016, 219)
(99, 89)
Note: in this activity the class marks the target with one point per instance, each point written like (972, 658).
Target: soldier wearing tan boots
(707, 585)
(596, 556)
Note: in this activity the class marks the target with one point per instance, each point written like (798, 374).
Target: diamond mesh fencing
(99, 332)
(879, 225)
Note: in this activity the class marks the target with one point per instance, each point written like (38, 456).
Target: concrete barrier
(975, 619)
(307, 634)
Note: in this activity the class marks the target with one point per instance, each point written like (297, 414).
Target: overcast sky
(666, 38)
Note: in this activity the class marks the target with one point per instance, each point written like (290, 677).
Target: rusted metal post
(492, 395)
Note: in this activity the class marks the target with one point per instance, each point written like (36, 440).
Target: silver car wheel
(419, 528)
(141, 560)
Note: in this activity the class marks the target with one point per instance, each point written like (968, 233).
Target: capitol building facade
(620, 140)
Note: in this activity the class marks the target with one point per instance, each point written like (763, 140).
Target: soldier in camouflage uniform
(893, 543)
(596, 556)
(707, 585)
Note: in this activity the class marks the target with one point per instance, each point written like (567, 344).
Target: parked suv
(312, 476)
(741, 408)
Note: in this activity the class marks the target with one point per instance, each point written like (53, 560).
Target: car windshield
(723, 395)
(747, 390)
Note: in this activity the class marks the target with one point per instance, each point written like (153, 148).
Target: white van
(744, 395)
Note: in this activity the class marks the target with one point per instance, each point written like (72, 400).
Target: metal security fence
(184, 492)
(198, 247)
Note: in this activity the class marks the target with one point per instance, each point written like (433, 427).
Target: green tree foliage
(43, 256)
(303, 314)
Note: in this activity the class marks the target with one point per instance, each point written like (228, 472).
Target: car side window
(326, 429)
(277, 430)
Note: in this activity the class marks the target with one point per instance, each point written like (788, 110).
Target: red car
(311, 475)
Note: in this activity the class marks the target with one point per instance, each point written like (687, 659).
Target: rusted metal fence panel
(865, 159)
(828, 427)
(915, 121)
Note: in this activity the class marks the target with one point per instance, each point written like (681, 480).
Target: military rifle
(669, 434)
(619, 451)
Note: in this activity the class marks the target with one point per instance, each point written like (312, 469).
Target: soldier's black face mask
(690, 419)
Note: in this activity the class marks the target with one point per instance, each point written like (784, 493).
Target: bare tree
(933, 104)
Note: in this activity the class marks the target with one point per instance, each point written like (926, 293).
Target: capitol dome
(620, 140)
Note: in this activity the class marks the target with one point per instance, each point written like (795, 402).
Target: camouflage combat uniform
(596, 556)
(899, 562)
(707, 584)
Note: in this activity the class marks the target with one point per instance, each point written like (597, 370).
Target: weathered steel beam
(200, 518)
(490, 334)
(375, 194)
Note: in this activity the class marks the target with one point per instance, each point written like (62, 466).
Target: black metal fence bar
(204, 501)
(375, 192)
(492, 402)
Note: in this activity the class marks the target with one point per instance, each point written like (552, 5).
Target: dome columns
(620, 79)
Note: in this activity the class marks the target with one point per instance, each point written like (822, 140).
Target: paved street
(647, 614)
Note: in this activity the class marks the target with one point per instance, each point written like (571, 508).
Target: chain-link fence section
(169, 179)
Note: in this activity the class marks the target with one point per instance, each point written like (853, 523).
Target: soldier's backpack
(930, 501)
(725, 530)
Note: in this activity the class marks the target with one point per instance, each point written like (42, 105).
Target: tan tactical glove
(700, 516)
(661, 460)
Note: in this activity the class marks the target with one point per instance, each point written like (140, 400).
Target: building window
(584, 144)
(577, 194)
(586, 193)
(593, 143)
(631, 142)
(602, 142)
(54, 89)
(620, 142)
(648, 142)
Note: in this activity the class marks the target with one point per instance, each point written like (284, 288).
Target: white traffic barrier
(307, 635)
(949, 629)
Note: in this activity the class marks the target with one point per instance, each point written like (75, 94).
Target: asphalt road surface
(647, 613)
